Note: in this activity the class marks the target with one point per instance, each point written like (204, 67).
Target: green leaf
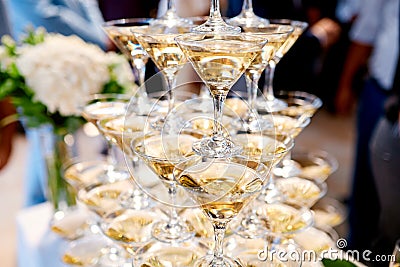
(337, 263)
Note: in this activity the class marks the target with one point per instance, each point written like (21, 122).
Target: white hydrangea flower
(64, 71)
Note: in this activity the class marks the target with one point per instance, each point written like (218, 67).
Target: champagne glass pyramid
(276, 35)
(247, 17)
(219, 60)
(269, 102)
(119, 31)
(215, 22)
(221, 187)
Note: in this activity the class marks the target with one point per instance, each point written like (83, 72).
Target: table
(37, 245)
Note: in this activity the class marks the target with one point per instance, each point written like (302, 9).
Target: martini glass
(170, 19)
(130, 229)
(270, 150)
(219, 60)
(161, 153)
(160, 45)
(215, 23)
(247, 17)
(221, 187)
(119, 31)
(276, 35)
(268, 102)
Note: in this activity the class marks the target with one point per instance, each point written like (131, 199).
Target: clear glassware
(282, 125)
(119, 31)
(183, 254)
(160, 45)
(269, 150)
(215, 23)
(247, 17)
(221, 187)
(312, 164)
(91, 250)
(102, 106)
(301, 107)
(300, 191)
(219, 60)
(284, 222)
(268, 102)
(121, 131)
(161, 153)
(131, 230)
(170, 19)
(276, 35)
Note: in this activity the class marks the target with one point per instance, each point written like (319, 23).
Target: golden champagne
(222, 189)
(220, 69)
(172, 256)
(130, 228)
(281, 218)
(162, 153)
(164, 51)
(128, 44)
(101, 110)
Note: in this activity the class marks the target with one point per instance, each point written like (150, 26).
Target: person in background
(375, 44)
(298, 70)
(80, 17)
(385, 159)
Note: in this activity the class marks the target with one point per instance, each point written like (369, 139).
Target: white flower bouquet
(50, 76)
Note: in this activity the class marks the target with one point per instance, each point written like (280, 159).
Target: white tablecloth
(38, 246)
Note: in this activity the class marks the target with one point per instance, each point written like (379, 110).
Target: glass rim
(121, 22)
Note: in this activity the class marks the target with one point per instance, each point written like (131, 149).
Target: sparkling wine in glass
(102, 106)
(119, 31)
(166, 55)
(121, 131)
(247, 17)
(221, 187)
(130, 229)
(301, 107)
(272, 104)
(219, 60)
(269, 150)
(215, 23)
(161, 153)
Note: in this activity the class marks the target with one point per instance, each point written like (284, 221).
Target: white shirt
(377, 24)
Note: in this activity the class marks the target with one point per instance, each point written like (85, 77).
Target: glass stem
(139, 73)
(218, 100)
(171, 85)
(173, 218)
(247, 6)
(219, 234)
(171, 5)
(215, 13)
(269, 80)
(252, 86)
